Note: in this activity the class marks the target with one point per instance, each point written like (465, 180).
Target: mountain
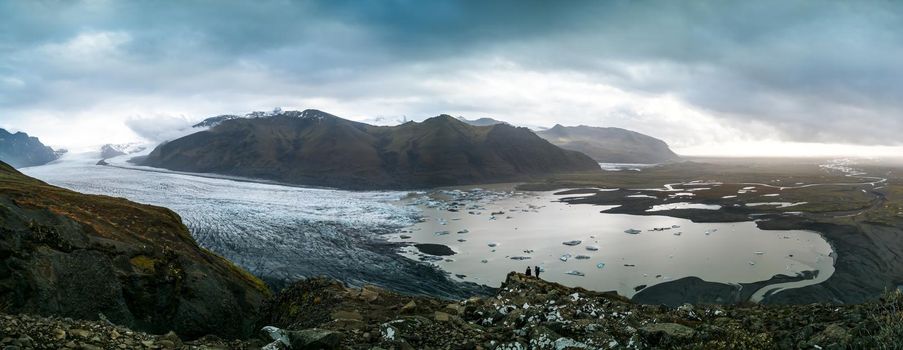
(69, 254)
(610, 145)
(217, 120)
(317, 148)
(111, 150)
(481, 121)
(214, 121)
(21, 150)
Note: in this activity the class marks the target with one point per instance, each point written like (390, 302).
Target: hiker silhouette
(528, 271)
(535, 271)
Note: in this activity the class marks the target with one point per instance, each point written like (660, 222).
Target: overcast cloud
(696, 74)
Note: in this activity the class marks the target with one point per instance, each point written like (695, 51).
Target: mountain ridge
(610, 144)
(313, 147)
(21, 150)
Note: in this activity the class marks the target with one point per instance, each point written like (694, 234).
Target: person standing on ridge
(535, 271)
(528, 271)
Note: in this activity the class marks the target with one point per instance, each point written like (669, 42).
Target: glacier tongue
(279, 233)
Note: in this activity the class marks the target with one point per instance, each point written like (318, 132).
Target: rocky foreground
(526, 313)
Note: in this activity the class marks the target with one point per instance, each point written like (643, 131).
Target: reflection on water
(505, 231)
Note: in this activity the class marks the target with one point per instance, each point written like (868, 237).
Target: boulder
(666, 333)
(314, 339)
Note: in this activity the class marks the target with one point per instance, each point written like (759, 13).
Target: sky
(745, 78)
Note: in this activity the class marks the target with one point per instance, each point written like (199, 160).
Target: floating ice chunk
(759, 253)
(582, 257)
(565, 257)
(600, 265)
(633, 231)
(571, 243)
(484, 261)
(493, 244)
(682, 206)
(678, 233)
(575, 273)
(441, 233)
(520, 258)
(751, 263)
(463, 231)
(592, 248)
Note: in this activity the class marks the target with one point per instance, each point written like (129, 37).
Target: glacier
(277, 232)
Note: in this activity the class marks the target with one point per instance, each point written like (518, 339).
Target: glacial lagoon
(497, 231)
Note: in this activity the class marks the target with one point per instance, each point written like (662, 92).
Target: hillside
(21, 150)
(317, 148)
(85, 256)
(610, 145)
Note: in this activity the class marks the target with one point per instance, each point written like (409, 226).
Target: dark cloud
(815, 71)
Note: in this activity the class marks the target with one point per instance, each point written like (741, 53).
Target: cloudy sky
(747, 77)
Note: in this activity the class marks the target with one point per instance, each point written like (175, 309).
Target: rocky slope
(317, 148)
(21, 150)
(526, 313)
(83, 256)
(610, 145)
(37, 332)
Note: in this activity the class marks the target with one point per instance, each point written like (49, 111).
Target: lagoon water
(534, 226)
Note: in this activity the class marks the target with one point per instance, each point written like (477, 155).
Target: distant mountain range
(605, 145)
(316, 148)
(21, 150)
(115, 150)
(611, 145)
(481, 121)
